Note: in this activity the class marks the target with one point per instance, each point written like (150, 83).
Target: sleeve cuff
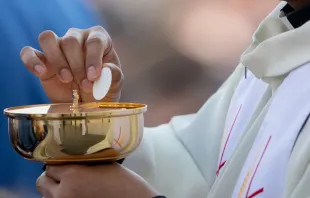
(120, 161)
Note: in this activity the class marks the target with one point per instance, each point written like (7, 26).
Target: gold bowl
(65, 133)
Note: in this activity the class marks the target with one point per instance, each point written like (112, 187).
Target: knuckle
(74, 30)
(46, 35)
(96, 39)
(98, 28)
(70, 40)
(39, 181)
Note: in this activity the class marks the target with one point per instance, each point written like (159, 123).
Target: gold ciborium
(76, 133)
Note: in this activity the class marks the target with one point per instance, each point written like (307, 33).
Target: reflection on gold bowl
(57, 134)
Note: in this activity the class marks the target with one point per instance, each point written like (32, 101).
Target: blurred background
(174, 54)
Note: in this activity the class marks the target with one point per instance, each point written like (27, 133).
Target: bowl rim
(130, 109)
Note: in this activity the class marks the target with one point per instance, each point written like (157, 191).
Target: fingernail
(66, 75)
(92, 73)
(87, 86)
(39, 69)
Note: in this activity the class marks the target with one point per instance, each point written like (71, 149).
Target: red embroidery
(116, 141)
(262, 189)
(221, 164)
(256, 193)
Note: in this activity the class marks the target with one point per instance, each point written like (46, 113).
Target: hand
(100, 181)
(74, 61)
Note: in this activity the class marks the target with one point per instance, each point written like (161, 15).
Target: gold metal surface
(75, 103)
(58, 133)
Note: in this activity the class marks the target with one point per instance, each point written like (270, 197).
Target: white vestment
(210, 154)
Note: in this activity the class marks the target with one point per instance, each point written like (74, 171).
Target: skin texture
(79, 182)
(74, 61)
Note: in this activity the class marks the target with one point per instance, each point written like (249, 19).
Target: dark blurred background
(174, 54)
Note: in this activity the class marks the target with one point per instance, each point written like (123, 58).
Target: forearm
(161, 160)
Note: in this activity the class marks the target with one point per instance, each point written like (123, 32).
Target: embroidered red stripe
(256, 193)
(249, 188)
(220, 167)
(221, 164)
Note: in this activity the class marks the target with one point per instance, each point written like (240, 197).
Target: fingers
(78, 56)
(33, 59)
(97, 44)
(109, 84)
(55, 172)
(117, 74)
(46, 186)
(49, 42)
(72, 46)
